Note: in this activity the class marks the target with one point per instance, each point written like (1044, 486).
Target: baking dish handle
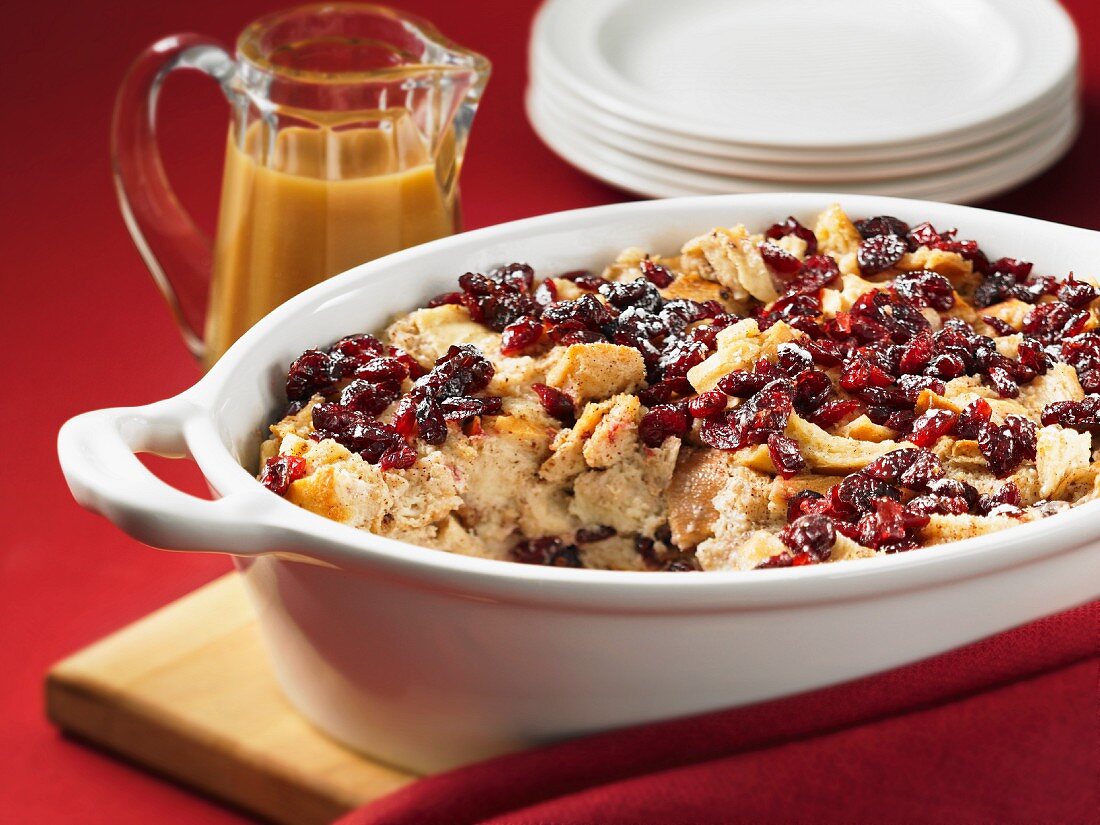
(97, 454)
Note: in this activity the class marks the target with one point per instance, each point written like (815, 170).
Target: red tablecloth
(83, 327)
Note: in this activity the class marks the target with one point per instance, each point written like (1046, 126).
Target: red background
(83, 327)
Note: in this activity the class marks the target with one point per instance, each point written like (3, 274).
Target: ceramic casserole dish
(428, 659)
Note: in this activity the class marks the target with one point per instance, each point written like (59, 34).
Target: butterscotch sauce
(313, 203)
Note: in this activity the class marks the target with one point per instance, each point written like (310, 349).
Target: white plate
(835, 174)
(810, 73)
(654, 180)
(547, 79)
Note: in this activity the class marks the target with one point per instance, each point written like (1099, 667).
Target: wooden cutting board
(187, 692)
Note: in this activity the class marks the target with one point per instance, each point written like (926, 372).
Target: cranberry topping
(758, 417)
(397, 457)
(520, 335)
(707, 403)
(312, 372)
(658, 275)
(370, 398)
(1076, 294)
(1050, 323)
(882, 225)
(810, 540)
(662, 422)
(499, 298)
(1083, 415)
(461, 407)
(785, 455)
(879, 253)
(1006, 446)
(793, 227)
(779, 260)
(925, 288)
(280, 471)
(556, 403)
(548, 551)
(929, 427)
(588, 535)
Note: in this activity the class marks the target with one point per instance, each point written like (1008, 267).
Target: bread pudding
(803, 395)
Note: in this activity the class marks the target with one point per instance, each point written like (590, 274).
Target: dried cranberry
(1083, 415)
(793, 227)
(779, 260)
(312, 372)
(879, 253)
(824, 352)
(811, 389)
(947, 366)
(803, 502)
(766, 412)
(856, 492)
(1003, 382)
(1082, 352)
(926, 288)
(924, 473)
(431, 426)
(1077, 294)
(520, 335)
(817, 271)
(460, 407)
(662, 422)
(557, 404)
(859, 374)
(976, 414)
(445, 298)
(813, 534)
(882, 225)
(1007, 495)
(889, 526)
(370, 398)
(707, 403)
(397, 457)
(548, 551)
(929, 427)
(785, 455)
(1000, 326)
(500, 298)
(588, 281)
(832, 412)
(1030, 354)
(890, 466)
(1019, 270)
(638, 293)
(658, 275)
(1052, 322)
(1006, 446)
(356, 431)
(412, 366)
(930, 505)
(280, 471)
(460, 371)
(585, 313)
(546, 293)
(588, 535)
(382, 368)
(664, 391)
(793, 359)
(917, 354)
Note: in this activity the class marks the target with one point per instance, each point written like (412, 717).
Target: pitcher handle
(178, 254)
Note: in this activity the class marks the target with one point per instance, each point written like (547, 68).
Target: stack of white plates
(951, 100)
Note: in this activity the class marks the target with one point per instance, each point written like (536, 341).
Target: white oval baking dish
(428, 659)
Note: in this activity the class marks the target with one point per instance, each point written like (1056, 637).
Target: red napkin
(1005, 730)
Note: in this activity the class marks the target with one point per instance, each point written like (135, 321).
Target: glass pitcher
(347, 130)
